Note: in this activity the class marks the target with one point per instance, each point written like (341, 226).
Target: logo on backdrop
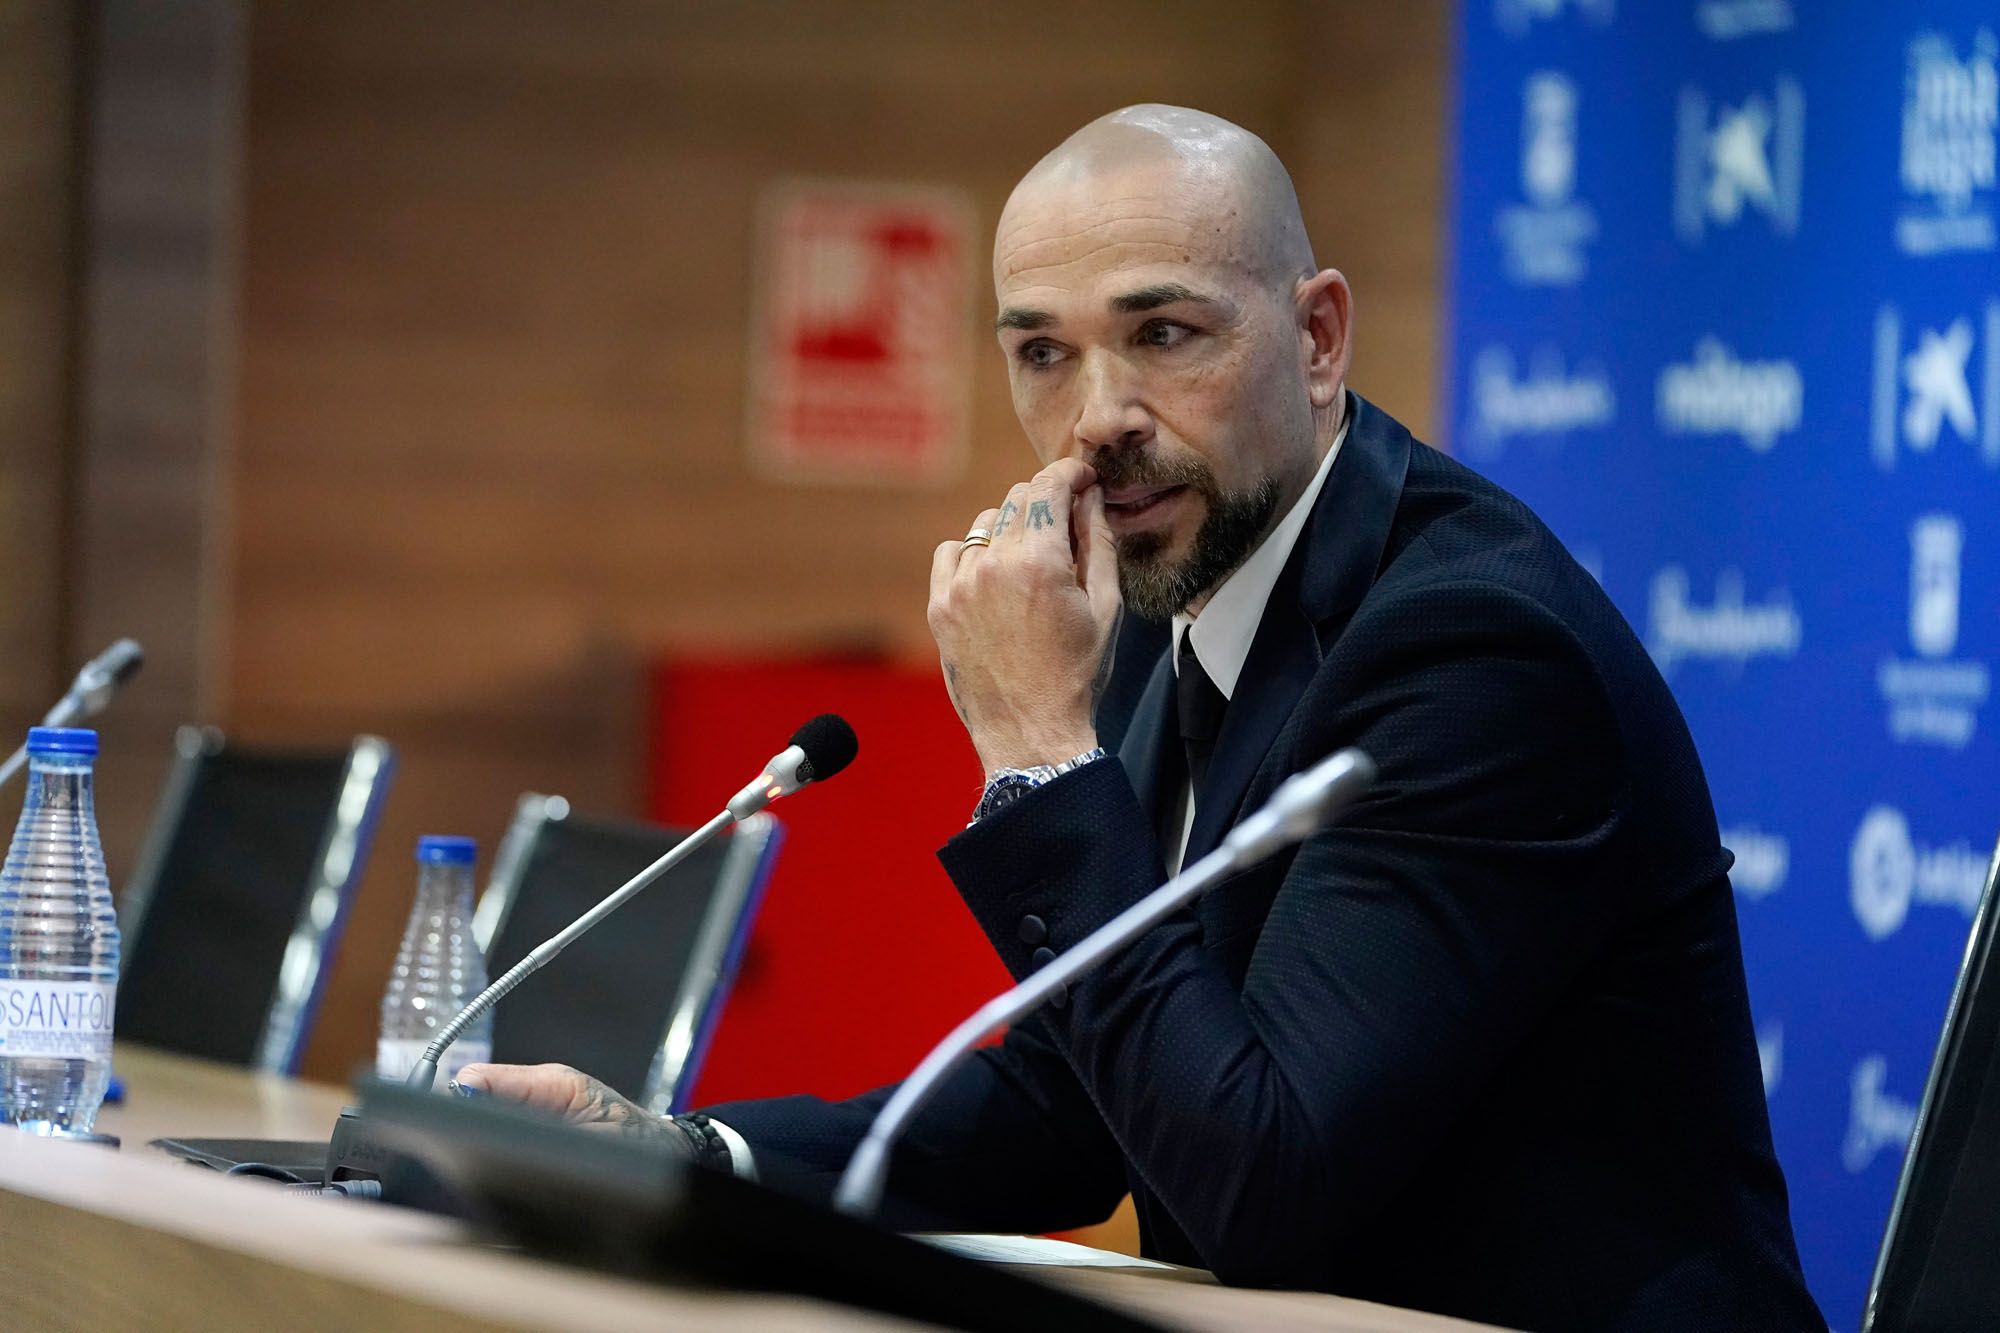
(1933, 699)
(1735, 159)
(1729, 629)
(1549, 400)
(1543, 239)
(1888, 870)
(1941, 385)
(1762, 860)
(1515, 17)
(1724, 20)
(1771, 1055)
(1876, 1119)
(1716, 393)
(1951, 108)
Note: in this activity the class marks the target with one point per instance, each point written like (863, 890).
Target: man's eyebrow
(1130, 303)
(1018, 317)
(1157, 295)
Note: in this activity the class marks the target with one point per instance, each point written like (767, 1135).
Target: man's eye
(1164, 333)
(1039, 355)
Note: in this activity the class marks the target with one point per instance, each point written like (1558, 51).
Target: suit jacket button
(1059, 997)
(1033, 930)
(1043, 957)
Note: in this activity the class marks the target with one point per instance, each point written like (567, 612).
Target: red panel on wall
(863, 956)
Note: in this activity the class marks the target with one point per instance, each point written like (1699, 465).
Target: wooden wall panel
(1367, 146)
(156, 380)
(36, 161)
(495, 305)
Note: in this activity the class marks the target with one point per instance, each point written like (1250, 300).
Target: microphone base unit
(353, 1153)
(364, 1161)
(635, 1208)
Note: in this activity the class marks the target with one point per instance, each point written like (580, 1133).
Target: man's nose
(1111, 413)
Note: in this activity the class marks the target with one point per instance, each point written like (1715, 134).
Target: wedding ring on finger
(977, 537)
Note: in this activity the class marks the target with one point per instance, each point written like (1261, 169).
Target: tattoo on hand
(1008, 513)
(951, 689)
(599, 1105)
(1040, 515)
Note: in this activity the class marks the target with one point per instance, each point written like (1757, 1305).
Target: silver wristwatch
(1008, 785)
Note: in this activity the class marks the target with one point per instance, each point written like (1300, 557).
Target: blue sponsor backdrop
(1725, 310)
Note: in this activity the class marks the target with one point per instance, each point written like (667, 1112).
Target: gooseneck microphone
(818, 750)
(1303, 804)
(89, 693)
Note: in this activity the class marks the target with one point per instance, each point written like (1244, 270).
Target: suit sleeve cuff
(1056, 864)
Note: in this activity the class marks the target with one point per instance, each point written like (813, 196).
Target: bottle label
(65, 1020)
(395, 1058)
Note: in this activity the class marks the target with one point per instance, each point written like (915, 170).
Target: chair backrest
(232, 916)
(1937, 1267)
(635, 1000)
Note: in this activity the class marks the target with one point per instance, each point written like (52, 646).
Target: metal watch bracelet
(1007, 785)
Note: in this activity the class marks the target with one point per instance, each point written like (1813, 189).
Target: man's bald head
(1225, 183)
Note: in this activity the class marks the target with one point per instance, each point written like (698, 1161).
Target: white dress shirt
(1227, 625)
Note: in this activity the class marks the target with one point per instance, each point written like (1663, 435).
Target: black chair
(635, 1000)
(1937, 1267)
(232, 916)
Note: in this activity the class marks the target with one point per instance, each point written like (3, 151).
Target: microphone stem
(861, 1184)
(61, 715)
(67, 710)
(425, 1073)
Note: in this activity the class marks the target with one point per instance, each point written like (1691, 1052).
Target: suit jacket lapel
(1330, 570)
(1147, 733)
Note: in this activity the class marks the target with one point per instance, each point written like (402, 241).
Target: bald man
(1482, 1049)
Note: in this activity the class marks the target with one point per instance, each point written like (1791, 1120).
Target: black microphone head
(830, 746)
(123, 659)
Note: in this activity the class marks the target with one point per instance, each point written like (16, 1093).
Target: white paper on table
(1031, 1250)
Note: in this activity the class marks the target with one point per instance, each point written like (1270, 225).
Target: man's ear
(1326, 327)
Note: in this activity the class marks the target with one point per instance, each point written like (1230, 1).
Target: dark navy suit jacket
(1484, 1048)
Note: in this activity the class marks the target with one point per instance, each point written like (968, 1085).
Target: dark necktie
(1200, 706)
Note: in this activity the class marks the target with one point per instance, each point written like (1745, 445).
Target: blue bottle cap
(73, 742)
(443, 850)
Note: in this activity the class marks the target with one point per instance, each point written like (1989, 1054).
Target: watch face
(1004, 790)
(1010, 790)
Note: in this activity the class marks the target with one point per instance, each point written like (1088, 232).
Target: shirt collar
(1222, 633)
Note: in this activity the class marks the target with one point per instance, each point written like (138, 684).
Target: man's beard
(1154, 586)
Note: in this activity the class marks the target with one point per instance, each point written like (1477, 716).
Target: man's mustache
(1117, 468)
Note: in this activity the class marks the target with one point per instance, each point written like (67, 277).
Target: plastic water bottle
(438, 969)
(58, 945)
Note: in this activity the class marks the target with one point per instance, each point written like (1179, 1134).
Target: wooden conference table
(94, 1239)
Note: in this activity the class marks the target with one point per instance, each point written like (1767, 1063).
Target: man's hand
(1024, 626)
(574, 1096)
